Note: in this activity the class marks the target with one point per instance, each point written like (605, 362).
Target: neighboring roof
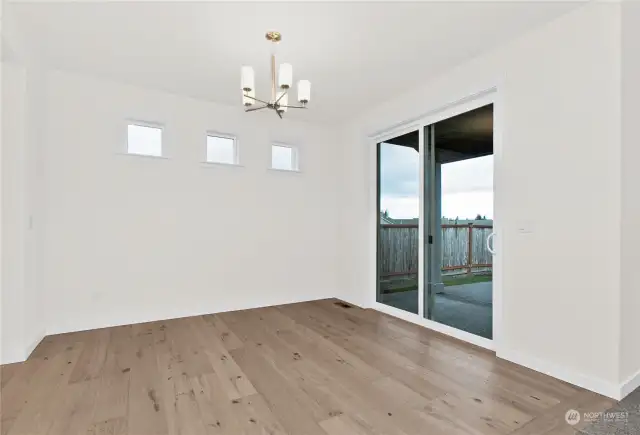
(468, 221)
(385, 219)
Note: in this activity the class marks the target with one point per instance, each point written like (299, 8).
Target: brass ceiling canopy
(273, 36)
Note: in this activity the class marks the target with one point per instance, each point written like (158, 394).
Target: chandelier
(279, 101)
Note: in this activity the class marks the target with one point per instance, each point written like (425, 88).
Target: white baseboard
(173, 313)
(630, 385)
(29, 350)
(11, 358)
(18, 355)
(590, 383)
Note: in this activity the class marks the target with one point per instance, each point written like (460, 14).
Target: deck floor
(314, 368)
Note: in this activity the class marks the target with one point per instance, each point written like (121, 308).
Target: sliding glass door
(398, 197)
(458, 210)
(435, 222)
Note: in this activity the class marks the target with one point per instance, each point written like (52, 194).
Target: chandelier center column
(273, 77)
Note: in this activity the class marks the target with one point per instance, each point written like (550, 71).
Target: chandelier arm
(286, 91)
(295, 107)
(255, 99)
(253, 109)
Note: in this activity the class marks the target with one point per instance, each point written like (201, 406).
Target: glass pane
(460, 175)
(399, 205)
(282, 158)
(144, 140)
(221, 150)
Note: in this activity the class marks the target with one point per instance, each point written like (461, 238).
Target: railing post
(470, 248)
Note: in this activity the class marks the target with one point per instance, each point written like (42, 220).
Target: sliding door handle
(490, 244)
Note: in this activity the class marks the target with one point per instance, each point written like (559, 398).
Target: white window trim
(295, 156)
(236, 149)
(149, 124)
(214, 164)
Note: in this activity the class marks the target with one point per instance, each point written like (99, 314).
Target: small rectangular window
(284, 158)
(144, 140)
(222, 149)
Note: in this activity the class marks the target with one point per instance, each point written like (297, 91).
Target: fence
(463, 247)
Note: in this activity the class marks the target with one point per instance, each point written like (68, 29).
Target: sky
(144, 140)
(467, 186)
(282, 157)
(221, 150)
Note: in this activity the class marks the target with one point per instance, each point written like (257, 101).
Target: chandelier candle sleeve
(248, 98)
(247, 78)
(285, 77)
(304, 91)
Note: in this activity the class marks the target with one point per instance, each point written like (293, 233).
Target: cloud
(473, 175)
(399, 171)
(467, 185)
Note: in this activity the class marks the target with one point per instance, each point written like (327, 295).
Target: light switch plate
(526, 227)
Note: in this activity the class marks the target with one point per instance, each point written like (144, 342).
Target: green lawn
(466, 279)
(407, 284)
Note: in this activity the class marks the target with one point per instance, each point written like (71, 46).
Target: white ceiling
(355, 54)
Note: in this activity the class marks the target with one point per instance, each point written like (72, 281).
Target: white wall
(21, 299)
(23, 121)
(630, 319)
(1, 172)
(33, 213)
(131, 239)
(558, 176)
(13, 144)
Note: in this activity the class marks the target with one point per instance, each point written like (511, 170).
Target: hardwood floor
(314, 368)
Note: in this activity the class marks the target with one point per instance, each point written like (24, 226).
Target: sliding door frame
(395, 132)
(490, 95)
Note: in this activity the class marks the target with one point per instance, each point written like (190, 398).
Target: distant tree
(479, 217)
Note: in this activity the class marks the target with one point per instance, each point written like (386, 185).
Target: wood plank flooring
(314, 368)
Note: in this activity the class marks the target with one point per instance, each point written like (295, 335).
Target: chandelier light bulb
(247, 78)
(304, 91)
(285, 77)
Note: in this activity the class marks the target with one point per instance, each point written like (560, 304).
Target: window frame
(295, 157)
(146, 124)
(236, 148)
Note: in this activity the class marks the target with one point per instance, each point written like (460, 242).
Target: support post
(470, 249)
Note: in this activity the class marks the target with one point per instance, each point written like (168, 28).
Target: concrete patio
(467, 307)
